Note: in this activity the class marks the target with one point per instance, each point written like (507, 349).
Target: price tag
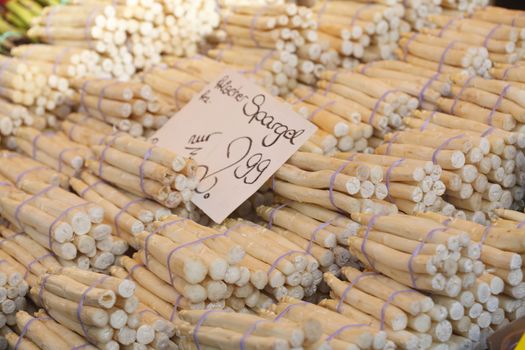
(239, 135)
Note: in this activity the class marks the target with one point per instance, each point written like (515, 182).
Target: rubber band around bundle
(104, 151)
(491, 34)
(60, 161)
(350, 286)
(81, 304)
(90, 187)
(418, 250)
(175, 306)
(443, 145)
(253, 23)
(344, 328)
(288, 308)
(444, 55)
(26, 201)
(199, 324)
(507, 70)
(391, 168)
(369, 226)
(42, 289)
(260, 65)
(147, 156)
(26, 172)
(59, 58)
(333, 178)
(34, 261)
(388, 302)
(34, 142)
(322, 10)
(484, 236)
(157, 230)
(305, 97)
(407, 44)
(458, 96)
(26, 328)
(271, 216)
(274, 264)
(249, 331)
(60, 217)
(5, 184)
(331, 82)
(391, 142)
(320, 108)
(357, 13)
(80, 123)
(378, 104)
(365, 67)
(426, 123)
(48, 22)
(447, 25)
(83, 92)
(124, 210)
(322, 226)
(79, 347)
(498, 103)
(101, 96)
(133, 268)
(179, 89)
(421, 95)
(489, 131)
(89, 22)
(513, 23)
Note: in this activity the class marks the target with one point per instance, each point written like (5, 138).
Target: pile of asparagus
(360, 30)
(15, 115)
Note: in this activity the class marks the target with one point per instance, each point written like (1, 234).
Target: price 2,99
(247, 166)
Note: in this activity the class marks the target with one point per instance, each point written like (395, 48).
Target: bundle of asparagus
(98, 307)
(493, 170)
(145, 170)
(418, 11)
(85, 130)
(464, 6)
(381, 105)
(132, 107)
(370, 34)
(53, 149)
(244, 331)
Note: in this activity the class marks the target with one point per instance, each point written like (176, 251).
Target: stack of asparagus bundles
(67, 225)
(355, 181)
(360, 30)
(53, 149)
(210, 330)
(381, 105)
(493, 172)
(278, 38)
(145, 170)
(98, 307)
(40, 331)
(131, 107)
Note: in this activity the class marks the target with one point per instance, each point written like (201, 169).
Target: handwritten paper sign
(239, 134)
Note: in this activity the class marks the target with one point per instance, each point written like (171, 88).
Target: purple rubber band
(350, 286)
(124, 210)
(333, 178)
(447, 25)
(61, 155)
(305, 97)
(89, 22)
(331, 82)
(273, 266)
(104, 151)
(444, 55)
(520, 224)
(50, 15)
(42, 288)
(320, 108)
(378, 103)
(357, 13)
(484, 236)
(391, 142)
(288, 308)
(365, 67)
(248, 332)
(101, 96)
(157, 230)
(498, 103)
(26, 328)
(365, 237)
(388, 302)
(489, 131)
(174, 311)
(418, 250)
(260, 64)
(313, 236)
(257, 15)
(133, 268)
(507, 70)
(491, 34)
(147, 156)
(391, 168)
(407, 44)
(59, 58)
(90, 187)
(60, 217)
(458, 96)
(26, 201)
(70, 132)
(81, 304)
(83, 92)
(5, 184)
(421, 95)
(23, 174)
(443, 145)
(179, 89)
(199, 324)
(426, 123)
(34, 261)
(271, 216)
(513, 23)
(85, 345)
(344, 328)
(34, 143)
(222, 51)
(322, 10)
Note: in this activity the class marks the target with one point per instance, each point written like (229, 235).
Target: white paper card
(239, 135)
